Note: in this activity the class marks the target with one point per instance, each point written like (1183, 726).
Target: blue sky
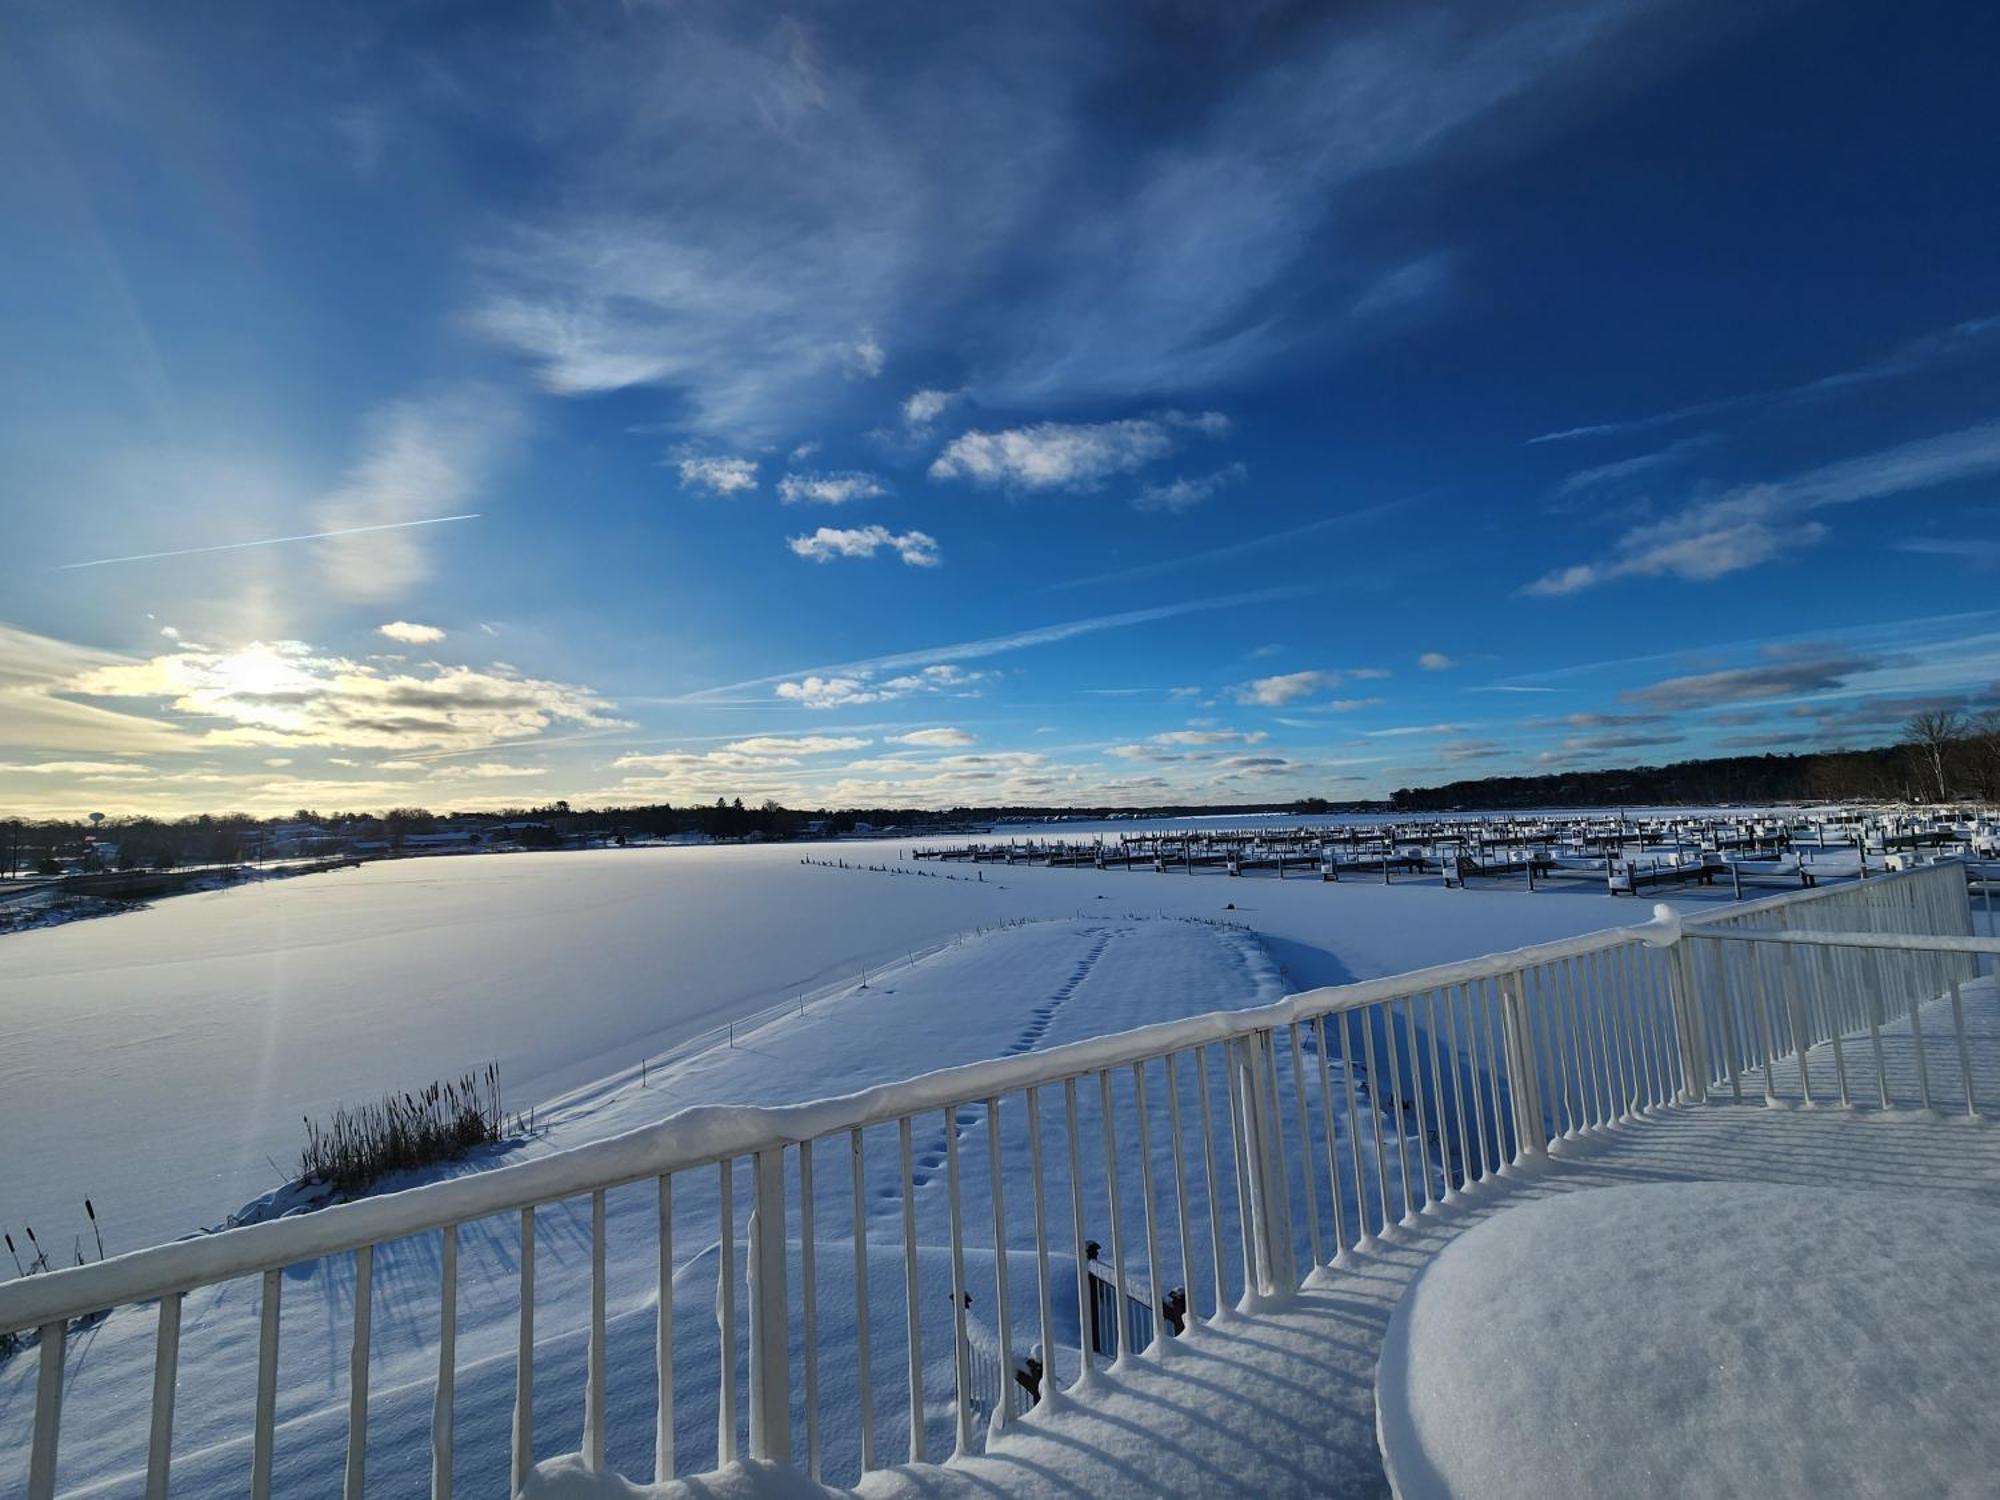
(937, 404)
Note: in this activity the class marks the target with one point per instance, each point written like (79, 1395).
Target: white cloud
(917, 549)
(1211, 737)
(942, 738)
(89, 768)
(1436, 661)
(410, 634)
(864, 357)
(284, 694)
(170, 632)
(811, 744)
(1068, 455)
(863, 687)
(829, 489)
(1290, 687)
(1188, 491)
(419, 459)
(922, 408)
(1403, 730)
(719, 476)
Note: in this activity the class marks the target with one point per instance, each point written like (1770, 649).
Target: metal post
(770, 1344)
(1694, 1072)
(1530, 1130)
(1270, 1203)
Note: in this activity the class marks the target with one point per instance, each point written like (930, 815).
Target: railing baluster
(166, 1366)
(809, 1279)
(444, 1398)
(1871, 1000)
(858, 1211)
(663, 1340)
(1923, 1063)
(1458, 1091)
(1589, 1098)
(1203, 1102)
(961, 1348)
(48, 1412)
(1117, 1212)
(1364, 1236)
(593, 1386)
(1232, 1077)
(1637, 1029)
(911, 1311)
(1149, 1202)
(1822, 966)
(1437, 1107)
(1400, 1109)
(265, 1421)
(1044, 1295)
(1494, 1056)
(1612, 990)
(355, 1480)
(1964, 1054)
(1561, 1031)
(1180, 1187)
(524, 1360)
(1004, 1313)
(1375, 1109)
(1300, 1105)
(1086, 1377)
(1796, 1008)
(726, 1440)
(1326, 1114)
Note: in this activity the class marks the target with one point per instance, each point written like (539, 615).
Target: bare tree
(1932, 736)
(1983, 741)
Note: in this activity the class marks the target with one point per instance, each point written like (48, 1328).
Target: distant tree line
(1943, 757)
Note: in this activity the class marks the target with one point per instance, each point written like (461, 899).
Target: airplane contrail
(269, 541)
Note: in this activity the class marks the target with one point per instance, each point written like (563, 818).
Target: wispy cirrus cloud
(419, 457)
(1188, 491)
(796, 196)
(1786, 671)
(1919, 354)
(1754, 524)
(997, 645)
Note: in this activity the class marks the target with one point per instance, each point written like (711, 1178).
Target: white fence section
(1228, 1155)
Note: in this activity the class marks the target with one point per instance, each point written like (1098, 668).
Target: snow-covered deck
(1283, 1403)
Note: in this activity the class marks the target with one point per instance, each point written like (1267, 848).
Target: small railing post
(1270, 1203)
(1694, 1068)
(1523, 1077)
(770, 1340)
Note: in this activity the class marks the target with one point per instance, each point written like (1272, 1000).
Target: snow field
(207, 1025)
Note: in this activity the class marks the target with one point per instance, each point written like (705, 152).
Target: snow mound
(1700, 1338)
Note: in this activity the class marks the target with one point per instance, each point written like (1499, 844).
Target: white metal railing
(1296, 1136)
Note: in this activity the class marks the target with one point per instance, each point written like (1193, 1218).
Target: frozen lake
(160, 1062)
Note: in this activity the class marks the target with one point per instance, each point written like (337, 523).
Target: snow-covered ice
(206, 1026)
